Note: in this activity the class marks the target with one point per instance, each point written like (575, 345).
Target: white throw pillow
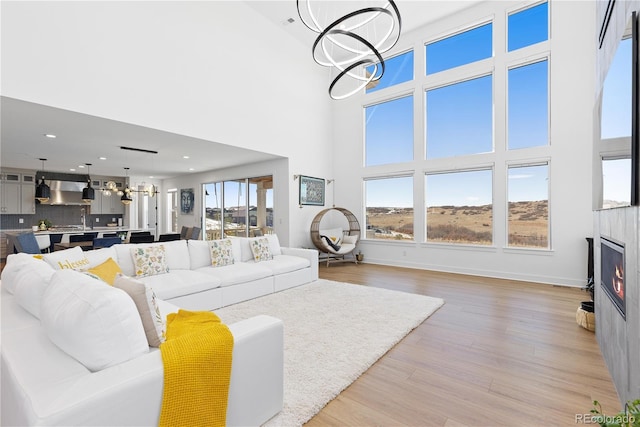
(72, 258)
(274, 244)
(145, 300)
(199, 253)
(350, 239)
(125, 259)
(31, 283)
(99, 256)
(15, 263)
(96, 324)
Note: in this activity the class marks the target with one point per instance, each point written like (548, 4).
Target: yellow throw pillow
(39, 257)
(106, 271)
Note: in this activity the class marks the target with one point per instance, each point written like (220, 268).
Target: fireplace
(612, 272)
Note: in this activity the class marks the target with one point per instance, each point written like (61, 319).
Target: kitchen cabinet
(106, 205)
(18, 193)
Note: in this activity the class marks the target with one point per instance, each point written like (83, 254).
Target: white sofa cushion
(31, 283)
(199, 253)
(281, 264)
(244, 244)
(94, 323)
(180, 282)
(15, 263)
(72, 258)
(274, 244)
(237, 273)
(177, 254)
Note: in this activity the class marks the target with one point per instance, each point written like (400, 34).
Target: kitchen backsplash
(58, 215)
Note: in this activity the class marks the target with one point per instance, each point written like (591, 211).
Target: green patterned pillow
(221, 252)
(261, 250)
(149, 260)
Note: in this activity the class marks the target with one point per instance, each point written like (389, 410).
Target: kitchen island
(6, 247)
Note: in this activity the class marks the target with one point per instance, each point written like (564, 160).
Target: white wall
(214, 70)
(572, 62)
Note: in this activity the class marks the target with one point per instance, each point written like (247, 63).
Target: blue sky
(616, 96)
(459, 118)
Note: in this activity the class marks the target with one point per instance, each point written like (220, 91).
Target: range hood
(66, 188)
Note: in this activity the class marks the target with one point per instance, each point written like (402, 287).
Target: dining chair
(184, 232)
(168, 237)
(105, 242)
(140, 233)
(44, 242)
(109, 234)
(55, 238)
(27, 243)
(141, 238)
(91, 235)
(80, 238)
(195, 233)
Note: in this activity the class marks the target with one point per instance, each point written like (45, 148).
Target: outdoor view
(242, 207)
(459, 203)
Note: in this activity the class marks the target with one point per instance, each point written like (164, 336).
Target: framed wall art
(186, 201)
(311, 191)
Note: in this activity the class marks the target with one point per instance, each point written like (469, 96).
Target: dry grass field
(528, 224)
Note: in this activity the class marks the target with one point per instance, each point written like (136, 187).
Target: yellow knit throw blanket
(197, 370)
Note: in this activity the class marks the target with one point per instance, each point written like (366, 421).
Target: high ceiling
(84, 139)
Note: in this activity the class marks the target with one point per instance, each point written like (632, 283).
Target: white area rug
(333, 332)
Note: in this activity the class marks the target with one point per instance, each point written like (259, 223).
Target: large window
(616, 95)
(528, 105)
(460, 207)
(241, 207)
(460, 118)
(528, 26)
(616, 182)
(389, 132)
(398, 69)
(529, 206)
(389, 208)
(460, 49)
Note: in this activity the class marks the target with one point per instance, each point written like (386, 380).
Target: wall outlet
(113, 220)
(97, 219)
(20, 220)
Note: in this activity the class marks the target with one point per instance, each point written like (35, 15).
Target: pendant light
(43, 192)
(88, 193)
(126, 196)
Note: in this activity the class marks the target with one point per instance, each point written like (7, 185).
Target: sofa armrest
(51, 388)
(310, 254)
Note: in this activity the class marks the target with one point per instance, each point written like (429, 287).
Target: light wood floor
(498, 353)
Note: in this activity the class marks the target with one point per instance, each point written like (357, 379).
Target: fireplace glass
(612, 272)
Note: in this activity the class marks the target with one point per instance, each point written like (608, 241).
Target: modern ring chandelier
(353, 42)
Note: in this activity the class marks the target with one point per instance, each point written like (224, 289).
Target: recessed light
(49, 135)
(102, 158)
(185, 157)
(72, 170)
(81, 166)
(150, 176)
(191, 169)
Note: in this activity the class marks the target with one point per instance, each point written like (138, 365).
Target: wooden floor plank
(499, 352)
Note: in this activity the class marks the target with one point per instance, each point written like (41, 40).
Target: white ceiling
(83, 139)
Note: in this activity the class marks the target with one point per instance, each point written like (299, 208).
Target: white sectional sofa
(44, 385)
